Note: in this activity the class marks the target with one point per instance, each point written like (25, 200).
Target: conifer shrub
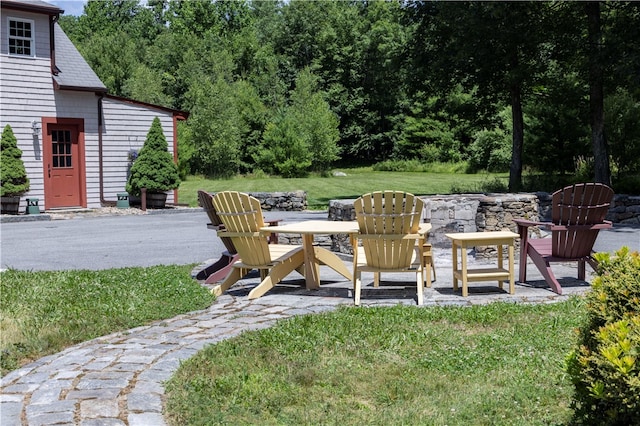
(154, 169)
(605, 367)
(13, 176)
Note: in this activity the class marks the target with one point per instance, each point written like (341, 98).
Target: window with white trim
(21, 37)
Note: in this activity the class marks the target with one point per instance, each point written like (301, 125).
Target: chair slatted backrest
(241, 215)
(205, 200)
(385, 218)
(578, 205)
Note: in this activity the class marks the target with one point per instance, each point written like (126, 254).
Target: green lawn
(501, 364)
(44, 312)
(357, 182)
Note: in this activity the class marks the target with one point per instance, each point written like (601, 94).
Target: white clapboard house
(76, 139)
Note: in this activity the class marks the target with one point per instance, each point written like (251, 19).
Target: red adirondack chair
(577, 215)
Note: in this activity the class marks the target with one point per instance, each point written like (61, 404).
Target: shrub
(604, 368)
(490, 150)
(154, 168)
(13, 176)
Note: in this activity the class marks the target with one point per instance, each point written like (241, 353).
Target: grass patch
(44, 312)
(483, 365)
(320, 190)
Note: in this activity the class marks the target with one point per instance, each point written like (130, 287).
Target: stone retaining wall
(483, 212)
(282, 201)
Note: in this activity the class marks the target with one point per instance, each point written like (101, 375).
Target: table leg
(454, 257)
(465, 288)
(500, 264)
(311, 268)
(327, 257)
(512, 277)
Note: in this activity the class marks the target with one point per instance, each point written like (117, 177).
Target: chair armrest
(527, 223)
(273, 222)
(424, 229)
(223, 233)
(604, 225)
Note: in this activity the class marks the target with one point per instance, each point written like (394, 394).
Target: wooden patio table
(315, 256)
(464, 240)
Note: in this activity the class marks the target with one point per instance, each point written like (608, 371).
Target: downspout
(52, 43)
(103, 202)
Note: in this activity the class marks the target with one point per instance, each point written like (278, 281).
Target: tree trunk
(596, 95)
(515, 169)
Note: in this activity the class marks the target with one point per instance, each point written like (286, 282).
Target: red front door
(63, 147)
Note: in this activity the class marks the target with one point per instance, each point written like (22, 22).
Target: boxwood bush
(605, 367)
(13, 175)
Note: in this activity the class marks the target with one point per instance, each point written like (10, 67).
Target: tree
(282, 151)
(596, 94)
(13, 175)
(216, 126)
(623, 131)
(304, 137)
(154, 168)
(491, 47)
(317, 124)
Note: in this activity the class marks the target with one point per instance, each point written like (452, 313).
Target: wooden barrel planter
(10, 205)
(156, 200)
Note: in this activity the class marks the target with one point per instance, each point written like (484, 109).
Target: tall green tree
(492, 47)
(216, 128)
(304, 136)
(317, 124)
(596, 93)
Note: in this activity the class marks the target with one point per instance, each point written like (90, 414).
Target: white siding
(26, 94)
(23, 100)
(125, 128)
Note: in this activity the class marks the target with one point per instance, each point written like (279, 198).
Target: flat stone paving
(118, 379)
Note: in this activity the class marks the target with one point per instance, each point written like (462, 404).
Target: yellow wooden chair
(241, 215)
(391, 236)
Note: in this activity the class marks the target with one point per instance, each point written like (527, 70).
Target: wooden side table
(464, 240)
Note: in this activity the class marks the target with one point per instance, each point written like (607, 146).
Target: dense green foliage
(154, 168)
(605, 368)
(499, 364)
(13, 175)
(265, 81)
(44, 312)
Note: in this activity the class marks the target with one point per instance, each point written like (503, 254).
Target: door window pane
(61, 148)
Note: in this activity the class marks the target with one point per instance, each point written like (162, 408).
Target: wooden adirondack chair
(241, 215)
(392, 238)
(220, 269)
(577, 215)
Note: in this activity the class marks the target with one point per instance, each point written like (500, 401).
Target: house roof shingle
(74, 73)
